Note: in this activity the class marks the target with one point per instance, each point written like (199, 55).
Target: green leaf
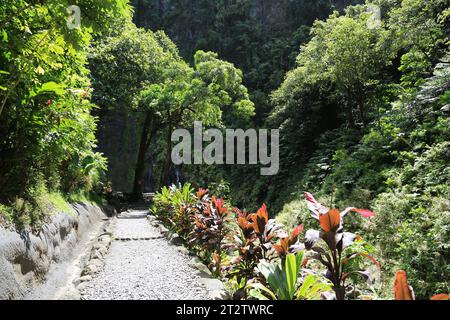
(312, 288)
(58, 89)
(307, 283)
(4, 36)
(256, 293)
(299, 260)
(291, 274)
(317, 290)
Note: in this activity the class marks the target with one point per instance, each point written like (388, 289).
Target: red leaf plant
(402, 291)
(210, 228)
(202, 193)
(254, 240)
(289, 244)
(334, 256)
(247, 245)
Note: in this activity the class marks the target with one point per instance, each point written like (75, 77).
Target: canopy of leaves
(46, 127)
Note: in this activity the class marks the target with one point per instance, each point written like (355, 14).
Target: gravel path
(143, 269)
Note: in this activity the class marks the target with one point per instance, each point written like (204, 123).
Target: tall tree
(212, 88)
(349, 52)
(141, 71)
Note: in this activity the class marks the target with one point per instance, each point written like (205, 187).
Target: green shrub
(293, 214)
(172, 206)
(412, 233)
(6, 215)
(283, 281)
(33, 210)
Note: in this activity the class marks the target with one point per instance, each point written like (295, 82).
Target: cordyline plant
(209, 219)
(289, 243)
(334, 256)
(281, 277)
(265, 230)
(249, 249)
(402, 291)
(253, 240)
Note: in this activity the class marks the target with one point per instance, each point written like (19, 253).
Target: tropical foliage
(259, 258)
(139, 71)
(47, 128)
(360, 91)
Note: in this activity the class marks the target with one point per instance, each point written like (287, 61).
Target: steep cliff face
(195, 24)
(271, 13)
(261, 37)
(118, 138)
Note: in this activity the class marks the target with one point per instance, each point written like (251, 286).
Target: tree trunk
(166, 168)
(350, 118)
(140, 164)
(361, 109)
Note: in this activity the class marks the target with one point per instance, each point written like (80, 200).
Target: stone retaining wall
(25, 258)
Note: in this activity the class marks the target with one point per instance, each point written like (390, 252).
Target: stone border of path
(215, 287)
(96, 260)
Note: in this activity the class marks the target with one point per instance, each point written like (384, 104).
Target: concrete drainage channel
(138, 274)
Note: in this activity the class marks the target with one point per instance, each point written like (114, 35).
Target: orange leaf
(278, 248)
(262, 212)
(305, 262)
(282, 247)
(441, 296)
(401, 288)
(330, 221)
(216, 258)
(201, 193)
(261, 218)
(297, 231)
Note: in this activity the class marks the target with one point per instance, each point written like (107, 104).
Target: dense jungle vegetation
(362, 105)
